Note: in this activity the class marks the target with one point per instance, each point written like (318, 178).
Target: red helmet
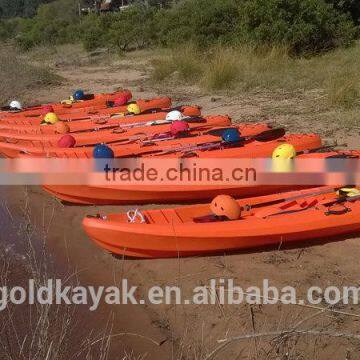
(47, 109)
(66, 141)
(178, 126)
(121, 100)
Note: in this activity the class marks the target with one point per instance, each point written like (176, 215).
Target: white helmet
(15, 105)
(174, 115)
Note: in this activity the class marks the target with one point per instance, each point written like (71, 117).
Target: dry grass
(223, 71)
(17, 77)
(184, 64)
(69, 55)
(344, 92)
(336, 74)
(47, 331)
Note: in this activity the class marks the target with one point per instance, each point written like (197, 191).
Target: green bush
(8, 28)
(302, 26)
(133, 28)
(351, 7)
(202, 22)
(12, 8)
(93, 31)
(305, 26)
(54, 23)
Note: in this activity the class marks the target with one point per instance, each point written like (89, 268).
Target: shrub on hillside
(133, 28)
(305, 26)
(54, 23)
(93, 31)
(8, 29)
(12, 8)
(351, 7)
(202, 22)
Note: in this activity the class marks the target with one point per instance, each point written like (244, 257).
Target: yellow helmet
(51, 118)
(133, 109)
(68, 101)
(284, 151)
(348, 192)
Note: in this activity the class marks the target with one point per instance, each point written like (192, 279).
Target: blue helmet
(103, 151)
(79, 95)
(231, 135)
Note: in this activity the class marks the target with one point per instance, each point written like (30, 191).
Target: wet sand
(71, 254)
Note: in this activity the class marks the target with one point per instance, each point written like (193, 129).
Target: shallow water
(32, 219)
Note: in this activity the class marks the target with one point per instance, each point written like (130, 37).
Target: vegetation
(55, 23)
(250, 69)
(12, 8)
(18, 77)
(219, 44)
(303, 26)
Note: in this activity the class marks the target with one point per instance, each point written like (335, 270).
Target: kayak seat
(164, 216)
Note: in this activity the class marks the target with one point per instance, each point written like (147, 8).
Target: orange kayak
(118, 138)
(247, 149)
(88, 113)
(272, 220)
(211, 137)
(148, 194)
(94, 121)
(94, 100)
(48, 132)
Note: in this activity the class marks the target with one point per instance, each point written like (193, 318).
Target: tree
(26, 8)
(352, 7)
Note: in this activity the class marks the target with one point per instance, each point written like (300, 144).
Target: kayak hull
(180, 248)
(251, 149)
(98, 101)
(90, 123)
(121, 195)
(85, 113)
(172, 233)
(137, 194)
(85, 142)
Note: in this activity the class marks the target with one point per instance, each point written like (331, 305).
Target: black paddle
(343, 156)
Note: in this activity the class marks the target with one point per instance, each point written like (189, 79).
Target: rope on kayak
(132, 215)
(337, 209)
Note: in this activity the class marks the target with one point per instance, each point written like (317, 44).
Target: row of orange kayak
(112, 126)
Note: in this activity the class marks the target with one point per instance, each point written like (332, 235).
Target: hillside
(12, 8)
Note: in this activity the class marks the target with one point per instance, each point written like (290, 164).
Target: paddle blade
(219, 131)
(342, 156)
